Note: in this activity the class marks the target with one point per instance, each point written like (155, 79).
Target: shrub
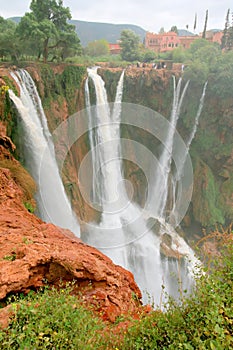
(52, 319)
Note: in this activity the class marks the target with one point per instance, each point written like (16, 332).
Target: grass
(56, 319)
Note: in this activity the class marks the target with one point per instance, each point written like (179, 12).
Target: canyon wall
(61, 88)
(212, 148)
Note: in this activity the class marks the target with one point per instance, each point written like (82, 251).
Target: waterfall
(164, 169)
(118, 234)
(52, 202)
(92, 139)
(180, 169)
(193, 133)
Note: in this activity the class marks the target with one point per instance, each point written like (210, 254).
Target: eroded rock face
(34, 253)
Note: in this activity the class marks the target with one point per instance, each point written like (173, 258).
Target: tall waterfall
(180, 169)
(162, 175)
(118, 233)
(52, 202)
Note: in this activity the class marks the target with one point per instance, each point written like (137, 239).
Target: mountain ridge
(91, 31)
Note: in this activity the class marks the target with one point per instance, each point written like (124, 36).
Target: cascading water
(163, 171)
(52, 202)
(180, 169)
(118, 233)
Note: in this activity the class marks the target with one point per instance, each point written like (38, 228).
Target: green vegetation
(129, 43)
(9, 43)
(29, 207)
(51, 319)
(11, 257)
(71, 80)
(205, 198)
(61, 85)
(57, 319)
(204, 321)
(97, 48)
(227, 39)
(47, 25)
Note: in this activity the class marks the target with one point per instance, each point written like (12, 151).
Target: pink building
(164, 42)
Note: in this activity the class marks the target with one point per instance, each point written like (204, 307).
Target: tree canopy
(45, 29)
(9, 44)
(129, 42)
(97, 48)
(174, 29)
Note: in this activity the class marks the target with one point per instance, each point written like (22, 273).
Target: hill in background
(184, 32)
(91, 31)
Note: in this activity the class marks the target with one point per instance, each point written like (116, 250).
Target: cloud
(13, 7)
(149, 14)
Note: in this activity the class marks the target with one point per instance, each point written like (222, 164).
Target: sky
(151, 15)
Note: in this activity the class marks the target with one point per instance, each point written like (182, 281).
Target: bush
(204, 321)
(51, 319)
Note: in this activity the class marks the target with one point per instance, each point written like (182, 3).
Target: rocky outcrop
(34, 254)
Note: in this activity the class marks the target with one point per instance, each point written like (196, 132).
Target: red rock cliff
(33, 253)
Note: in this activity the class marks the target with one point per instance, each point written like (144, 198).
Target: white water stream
(52, 202)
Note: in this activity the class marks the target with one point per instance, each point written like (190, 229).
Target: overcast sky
(149, 14)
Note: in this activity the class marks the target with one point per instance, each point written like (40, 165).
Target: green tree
(205, 25)
(149, 56)
(223, 75)
(174, 29)
(180, 55)
(195, 22)
(227, 38)
(9, 45)
(130, 45)
(161, 31)
(197, 44)
(197, 72)
(225, 31)
(47, 25)
(97, 48)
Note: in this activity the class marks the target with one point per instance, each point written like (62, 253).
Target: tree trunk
(46, 50)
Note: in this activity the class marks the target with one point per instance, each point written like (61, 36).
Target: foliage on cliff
(56, 319)
(60, 85)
